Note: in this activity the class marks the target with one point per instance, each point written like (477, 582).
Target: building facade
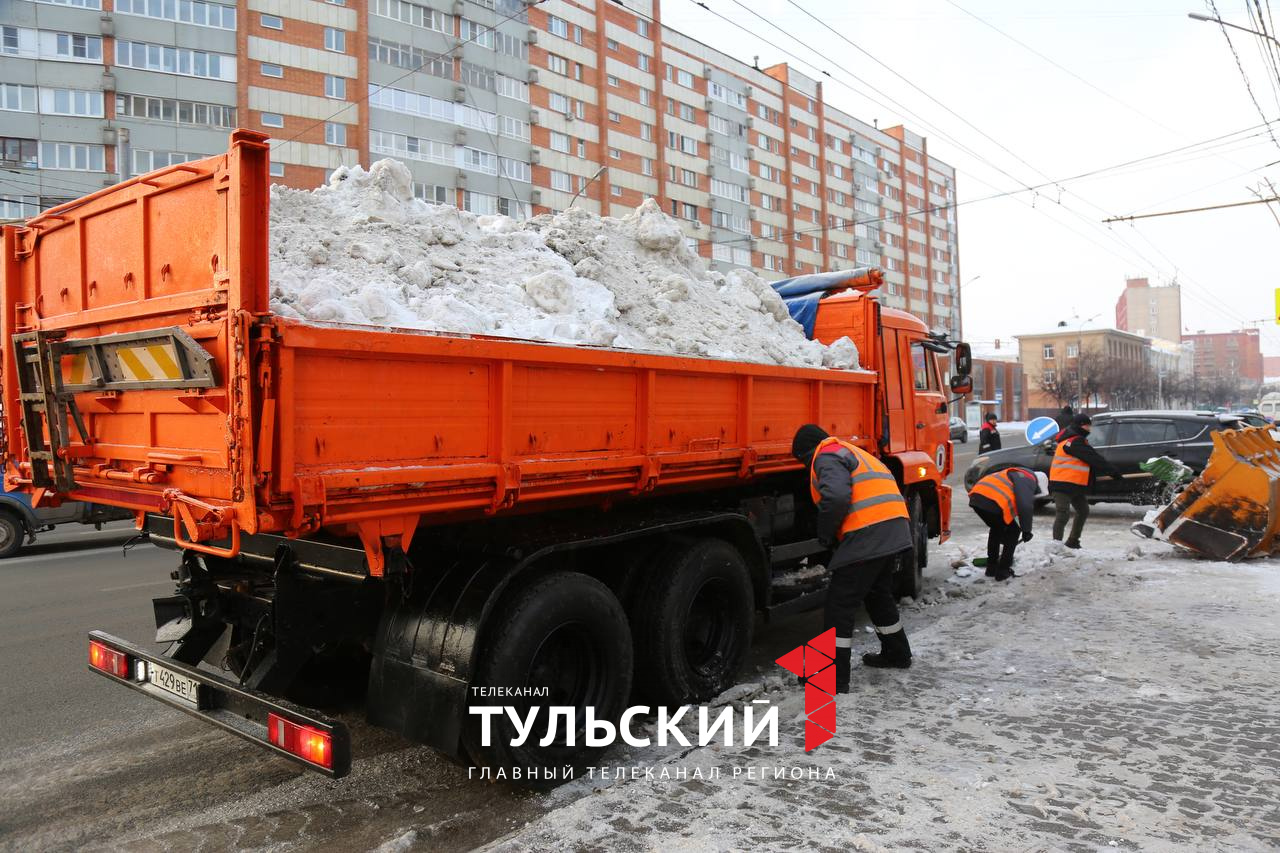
(1155, 312)
(1225, 355)
(496, 108)
(1059, 364)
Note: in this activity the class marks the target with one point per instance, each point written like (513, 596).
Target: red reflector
(303, 741)
(108, 660)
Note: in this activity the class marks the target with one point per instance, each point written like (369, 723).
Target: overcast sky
(1147, 79)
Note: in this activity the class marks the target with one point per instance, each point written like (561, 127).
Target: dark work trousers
(1064, 503)
(1002, 540)
(869, 582)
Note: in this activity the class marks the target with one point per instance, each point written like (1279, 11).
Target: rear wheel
(908, 580)
(692, 622)
(11, 533)
(565, 636)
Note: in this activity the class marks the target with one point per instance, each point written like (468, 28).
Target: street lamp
(1079, 356)
(971, 281)
(1198, 16)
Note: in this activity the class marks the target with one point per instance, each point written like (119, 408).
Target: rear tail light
(307, 743)
(108, 660)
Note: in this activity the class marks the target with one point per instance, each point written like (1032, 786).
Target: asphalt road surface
(86, 762)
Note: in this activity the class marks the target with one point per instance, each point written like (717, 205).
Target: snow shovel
(1232, 510)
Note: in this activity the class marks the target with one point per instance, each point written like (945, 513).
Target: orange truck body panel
(362, 431)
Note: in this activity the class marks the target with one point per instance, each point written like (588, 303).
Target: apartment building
(1221, 355)
(497, 108)
(1152, 311)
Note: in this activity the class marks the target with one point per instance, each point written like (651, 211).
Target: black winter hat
(991, 416)
(807, 439)
(1082, 420)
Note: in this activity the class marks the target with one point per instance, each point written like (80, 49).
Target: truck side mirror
(961, 384)
(964, 360)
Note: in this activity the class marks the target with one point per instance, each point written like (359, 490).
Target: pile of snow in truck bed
(363, 250)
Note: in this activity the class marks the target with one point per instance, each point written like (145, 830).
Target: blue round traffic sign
(1040, 429)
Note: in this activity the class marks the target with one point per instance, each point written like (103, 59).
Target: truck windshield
(924, 368)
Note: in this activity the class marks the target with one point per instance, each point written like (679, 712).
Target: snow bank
(363, 250)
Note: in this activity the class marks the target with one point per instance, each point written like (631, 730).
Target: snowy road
(1139, 710)
(1107, 700)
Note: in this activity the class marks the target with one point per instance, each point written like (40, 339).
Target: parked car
(20, 522)
(959, 430)
(1126, 439)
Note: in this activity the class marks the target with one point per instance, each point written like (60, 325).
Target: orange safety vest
(998, 488)
(1067, 468)
(875, 496)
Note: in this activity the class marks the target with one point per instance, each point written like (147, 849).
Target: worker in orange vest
(863, 518)
(1006, 502)
(1071, 476)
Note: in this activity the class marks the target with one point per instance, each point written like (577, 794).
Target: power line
(1187, 210)
(1213, 7)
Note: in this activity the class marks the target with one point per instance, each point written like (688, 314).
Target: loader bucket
(1232, 510)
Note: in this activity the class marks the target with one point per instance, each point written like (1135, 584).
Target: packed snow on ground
(1042, 713)
(363, 250)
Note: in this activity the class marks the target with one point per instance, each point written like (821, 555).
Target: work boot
(1073, 544)
(895, 652)
(1004, 575)
(842, 670)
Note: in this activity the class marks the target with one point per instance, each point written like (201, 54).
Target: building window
(335, 40)
(269, 70)
(72, 157)
(561, 181)
(557, 26)
(1048, 351)
(195, 12)
(412, 13)
(610, 44)
(646, 166)
(276, 170)
(75, 47)
(615, 190)
(516, 170)
(176, 60)
(272, 120)
(615, 154)
(614, 117)
(582, 148)
(557, 64)
(642, 60)
(559, 142)
(646, 97)
(335, 87)
(71, 102)
(642, 27)
(1073, 351)
(335, 133)
(273, 22)
(471, 31)
(412, 58)
(22, 153)
(178, 112)
(21, 99)
(646, 132)
(613, 81)
(481, 204)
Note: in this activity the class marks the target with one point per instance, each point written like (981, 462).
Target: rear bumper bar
(231, 707)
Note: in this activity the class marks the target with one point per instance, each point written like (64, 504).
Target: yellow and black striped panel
(149, 362)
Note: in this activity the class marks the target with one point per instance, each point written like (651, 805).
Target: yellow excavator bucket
(1232, 510)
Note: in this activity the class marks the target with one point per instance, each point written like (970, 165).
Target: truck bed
(142, 312)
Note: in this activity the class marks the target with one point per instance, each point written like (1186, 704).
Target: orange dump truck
(435, 517)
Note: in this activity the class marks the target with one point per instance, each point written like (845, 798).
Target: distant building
(1227, 354)
(998, 385)
(1052, 364)
(1153, 312)
(1271, 369)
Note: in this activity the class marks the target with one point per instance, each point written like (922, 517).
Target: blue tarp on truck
(802, 293)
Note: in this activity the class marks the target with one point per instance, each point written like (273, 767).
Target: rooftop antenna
(755, 62)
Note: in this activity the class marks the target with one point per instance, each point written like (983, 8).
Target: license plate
(171, 682)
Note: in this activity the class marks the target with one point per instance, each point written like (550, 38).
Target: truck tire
(692, 623)
(12, 532)
(908, 580)
(565, 632)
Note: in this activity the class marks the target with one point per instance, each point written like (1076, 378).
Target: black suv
(1126, 439)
